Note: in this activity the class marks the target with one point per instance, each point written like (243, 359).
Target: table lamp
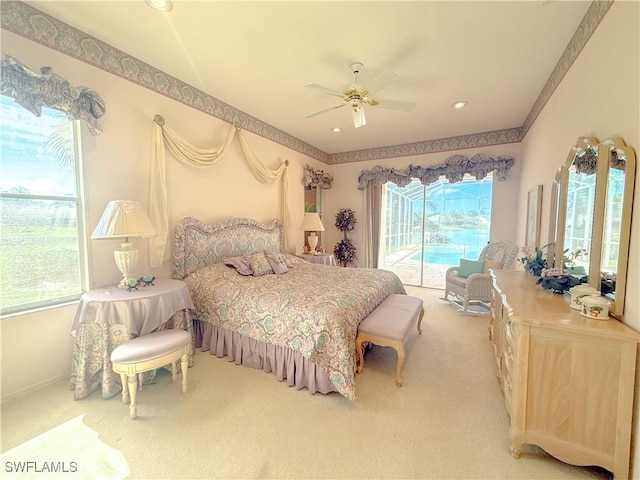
(124, 219)
(312, 223)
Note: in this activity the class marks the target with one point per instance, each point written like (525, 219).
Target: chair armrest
(479, 285)
(479, 277)
(452, 271)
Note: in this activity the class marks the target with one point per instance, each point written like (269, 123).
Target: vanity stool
(149, 352)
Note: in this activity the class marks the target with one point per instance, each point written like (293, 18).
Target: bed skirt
(284, 363)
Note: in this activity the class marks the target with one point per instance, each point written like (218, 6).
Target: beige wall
(598, 97)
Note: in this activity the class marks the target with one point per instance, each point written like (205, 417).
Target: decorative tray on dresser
(568, 381)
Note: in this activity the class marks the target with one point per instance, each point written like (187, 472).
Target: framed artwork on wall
(534, 208)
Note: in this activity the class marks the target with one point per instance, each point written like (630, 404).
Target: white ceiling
(258, 57)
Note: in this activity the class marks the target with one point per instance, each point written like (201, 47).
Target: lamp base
(127, 261)
(313, 243)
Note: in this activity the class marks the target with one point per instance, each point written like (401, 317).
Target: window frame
(82, 240)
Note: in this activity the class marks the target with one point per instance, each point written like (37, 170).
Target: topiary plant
(345, 251)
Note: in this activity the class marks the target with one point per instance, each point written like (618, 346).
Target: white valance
(184, 152)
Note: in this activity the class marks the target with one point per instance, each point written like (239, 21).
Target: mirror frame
(605, 150)
(559, 193)
(557, 218)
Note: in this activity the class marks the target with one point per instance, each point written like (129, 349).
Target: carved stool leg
(125, 389)
(133, 390)
(174, 370)
(184, 364)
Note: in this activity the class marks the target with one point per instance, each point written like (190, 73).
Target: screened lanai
(427, 229)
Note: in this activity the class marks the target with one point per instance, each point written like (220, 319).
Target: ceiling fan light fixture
(161, 5)
(358, 96)
(459, 105)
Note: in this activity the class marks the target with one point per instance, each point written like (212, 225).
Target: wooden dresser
(568, 381)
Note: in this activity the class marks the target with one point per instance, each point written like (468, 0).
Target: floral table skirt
(91, 363)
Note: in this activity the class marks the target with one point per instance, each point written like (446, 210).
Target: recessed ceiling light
(162, 5)
(335, 129)
(458, 105)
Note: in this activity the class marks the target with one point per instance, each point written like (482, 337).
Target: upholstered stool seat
(389, 325)
(149, 352)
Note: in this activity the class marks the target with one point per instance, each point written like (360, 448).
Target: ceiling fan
(357, 96)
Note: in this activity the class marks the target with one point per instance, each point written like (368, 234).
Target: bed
(299, 324)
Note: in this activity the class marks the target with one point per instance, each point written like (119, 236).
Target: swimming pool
(447, 254)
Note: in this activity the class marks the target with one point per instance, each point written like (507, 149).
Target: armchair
(475, 288)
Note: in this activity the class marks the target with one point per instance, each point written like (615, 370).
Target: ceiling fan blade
(326, 90)
(358, 117)
(324, 110)
(383, 80)
(394, 105)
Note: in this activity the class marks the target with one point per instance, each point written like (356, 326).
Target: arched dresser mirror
(573, 198)
(591, 204)
(614, 198)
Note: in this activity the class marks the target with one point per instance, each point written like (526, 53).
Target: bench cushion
(393, 317)
(153, 345)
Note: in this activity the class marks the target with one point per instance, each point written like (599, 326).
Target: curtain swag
(316, 178)
(453, 169)
(184, 152)
(34, 91)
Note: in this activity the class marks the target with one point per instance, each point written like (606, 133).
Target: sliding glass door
(427, 229)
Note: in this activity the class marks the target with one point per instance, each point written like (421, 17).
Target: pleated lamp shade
(124, 219)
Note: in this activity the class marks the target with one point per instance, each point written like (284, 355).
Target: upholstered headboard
(199, 245)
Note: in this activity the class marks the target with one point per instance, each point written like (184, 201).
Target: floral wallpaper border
(34, 25)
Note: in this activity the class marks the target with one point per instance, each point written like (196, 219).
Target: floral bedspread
(313, 309)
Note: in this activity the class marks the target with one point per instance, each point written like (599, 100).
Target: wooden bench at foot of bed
(389, 325)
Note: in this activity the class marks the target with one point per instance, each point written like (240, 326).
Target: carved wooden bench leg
(389, 325)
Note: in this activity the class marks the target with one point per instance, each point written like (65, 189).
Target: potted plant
(534, 261)
(345, 251)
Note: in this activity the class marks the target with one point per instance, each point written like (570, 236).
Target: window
(42, 248)
(427, 229)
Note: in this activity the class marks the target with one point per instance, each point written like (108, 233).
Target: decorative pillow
(492, 264)
(469, 267)
(259, 264)
(275, 255)
(277, 261)
(241, 264)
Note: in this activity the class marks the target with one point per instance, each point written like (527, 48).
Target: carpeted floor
(448, 421)
(70, 450)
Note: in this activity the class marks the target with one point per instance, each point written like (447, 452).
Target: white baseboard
(32, 388)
